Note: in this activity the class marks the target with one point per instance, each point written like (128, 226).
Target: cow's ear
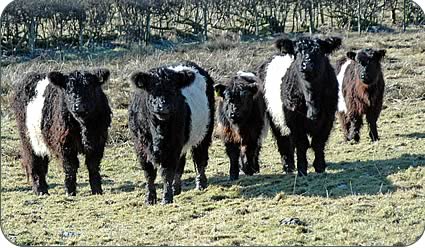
(219, 89)
(285, 45)
(102, 75)
(57, 78)
(248, 76)
(379, 54)
(331, 44)
(351, 55)
(253, 88)
(184, 78)
(140, 79)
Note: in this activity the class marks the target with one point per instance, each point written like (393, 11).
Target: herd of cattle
(296, 93)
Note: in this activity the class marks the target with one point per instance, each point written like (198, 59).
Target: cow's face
(368, 63)
(80, 90)
(238, 97)
(163, 90)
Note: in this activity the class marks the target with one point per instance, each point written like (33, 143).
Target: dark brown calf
(241, 122)
(361, 92)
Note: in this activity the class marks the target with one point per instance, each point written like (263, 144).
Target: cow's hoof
(201, 185)
(289, 169)
(73, 193)
(166, 201)
(247, 171)
(177, 189)
(150, 199)
(234, 177)
(201, 182)
(97, 192)
(356, 138)
(319, 166)
(43, 193)
(302, 173)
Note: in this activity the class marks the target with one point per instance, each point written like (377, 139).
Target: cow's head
(163, 87)
(81, 90)
(310, 53)
(368, 61)
(310, 65)
(238, 96)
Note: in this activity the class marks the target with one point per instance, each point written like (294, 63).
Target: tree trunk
(80, 34)
(404, 15)
(359, 22)
(205, 15)
(32, 35)
(148, 27)
(294, 15)
(311, 17)
(256, 20)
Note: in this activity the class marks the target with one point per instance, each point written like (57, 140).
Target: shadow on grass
(28, 188)
(412, 135)
(342, 179)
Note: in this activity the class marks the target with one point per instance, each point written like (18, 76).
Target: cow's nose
(163, 109)
(306, 67)
(79, 108)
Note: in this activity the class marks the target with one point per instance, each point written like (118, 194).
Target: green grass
(371, 194)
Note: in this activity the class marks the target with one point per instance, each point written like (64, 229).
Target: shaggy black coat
(159, 121)
(241, 122)
(75, 119)
(309, 93)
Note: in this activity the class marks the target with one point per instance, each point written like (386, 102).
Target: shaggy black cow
(301, 93)
(361, 92)
(63, 115)
(241, 122)
(171, 111)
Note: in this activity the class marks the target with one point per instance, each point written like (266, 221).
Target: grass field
(371, 194)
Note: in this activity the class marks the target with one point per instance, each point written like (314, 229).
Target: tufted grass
(372, 194)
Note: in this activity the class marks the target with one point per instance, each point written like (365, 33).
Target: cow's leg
(233, 152)
(177, 185)
(345, 124)
(301, 144)
(285, 147)
(39, 172)
(318, 143)
(372, 118)
(35, 166)
(70, 165)
(167, 174)
(200, 159)
(356, 123)
(249, 159)
(256, 164)
(93, 165)
(149, 172)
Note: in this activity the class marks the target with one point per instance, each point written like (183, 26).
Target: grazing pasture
(371, 193)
